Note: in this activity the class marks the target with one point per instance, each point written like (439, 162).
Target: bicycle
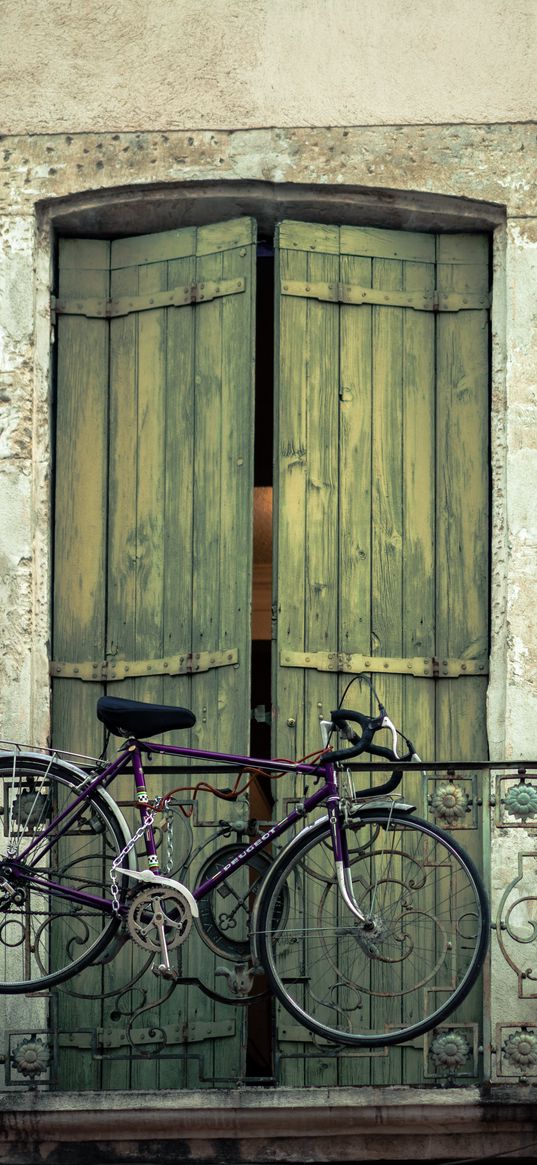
(371, 925)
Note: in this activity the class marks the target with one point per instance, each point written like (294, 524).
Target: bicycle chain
(146, 824)
(142, 829)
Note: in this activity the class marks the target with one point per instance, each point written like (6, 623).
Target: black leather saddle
(134, 718)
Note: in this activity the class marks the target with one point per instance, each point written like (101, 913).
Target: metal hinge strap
(341, 661)
(353, 293)
(114, 669)
(124, 305)
(187, 1033)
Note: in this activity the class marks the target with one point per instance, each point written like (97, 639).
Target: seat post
(146, 816)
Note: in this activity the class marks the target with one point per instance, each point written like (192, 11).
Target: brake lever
(327, 729)
(387, 723)
(328, 726)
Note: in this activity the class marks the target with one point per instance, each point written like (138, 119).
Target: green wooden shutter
(153, 559)
(381, 486)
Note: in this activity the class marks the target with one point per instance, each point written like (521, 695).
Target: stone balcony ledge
(258, 1125)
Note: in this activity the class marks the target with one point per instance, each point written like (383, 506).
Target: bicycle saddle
(134, 718)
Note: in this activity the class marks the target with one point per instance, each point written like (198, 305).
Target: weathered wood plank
(215, 238)
(307, 236)
(387, 244)
(80, 552)
(355, 465)
(289, 498)
(462, 504)
(419, 489)
(322, 495)
(387, 497)
(160, 248)
(80, 495)
(122, 499)
(180, 438)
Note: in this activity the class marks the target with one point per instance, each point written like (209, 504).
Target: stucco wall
(187, 64)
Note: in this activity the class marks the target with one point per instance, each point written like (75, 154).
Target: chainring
(160, 911)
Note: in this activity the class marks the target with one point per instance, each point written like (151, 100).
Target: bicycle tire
(430, 919)
(224, 913)
(46, 938)
(234, 900)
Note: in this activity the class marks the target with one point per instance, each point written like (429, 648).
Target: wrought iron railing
(491, 806)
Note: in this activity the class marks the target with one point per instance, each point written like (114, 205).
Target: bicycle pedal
(165, 972)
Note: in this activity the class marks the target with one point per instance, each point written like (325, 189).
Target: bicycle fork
(336, 818)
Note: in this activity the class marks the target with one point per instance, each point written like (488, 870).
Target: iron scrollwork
(515, 928)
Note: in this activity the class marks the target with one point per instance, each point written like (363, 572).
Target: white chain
(146, 823)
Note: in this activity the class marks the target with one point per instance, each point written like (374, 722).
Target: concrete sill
(267, 1125)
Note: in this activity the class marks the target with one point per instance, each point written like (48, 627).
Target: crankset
(160, 919)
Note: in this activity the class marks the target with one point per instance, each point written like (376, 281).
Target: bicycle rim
(44, 937)
(420, 954)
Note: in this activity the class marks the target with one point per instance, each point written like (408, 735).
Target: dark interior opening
(259, 1048)
(263, 480)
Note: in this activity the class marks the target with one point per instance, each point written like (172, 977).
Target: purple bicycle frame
(328, 795)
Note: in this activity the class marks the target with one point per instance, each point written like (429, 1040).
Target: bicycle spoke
(46, 936)
(415, 957)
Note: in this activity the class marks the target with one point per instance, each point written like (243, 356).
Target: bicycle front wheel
(46, 934)
(414, 959)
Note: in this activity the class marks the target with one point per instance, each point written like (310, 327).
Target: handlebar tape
(363, 743)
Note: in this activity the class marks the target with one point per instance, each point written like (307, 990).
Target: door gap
(259, 1054)
(263, 481)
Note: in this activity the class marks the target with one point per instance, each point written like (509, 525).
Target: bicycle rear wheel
(44, 936)
(413, 962)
